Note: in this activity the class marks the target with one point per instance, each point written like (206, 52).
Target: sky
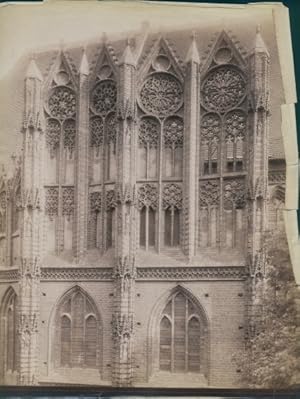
(26, 27)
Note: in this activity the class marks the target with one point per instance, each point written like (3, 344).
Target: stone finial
(127, 57)
(84, 65)
(193, 53)
(259, 44)
(33, 71)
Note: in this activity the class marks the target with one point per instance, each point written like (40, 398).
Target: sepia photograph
(143, 240)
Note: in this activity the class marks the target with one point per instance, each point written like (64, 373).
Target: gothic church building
(132, 226)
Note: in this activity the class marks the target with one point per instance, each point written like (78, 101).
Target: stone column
(82, 155)
(31, 227)
(191, 150)
(259, 60)
(122, 321)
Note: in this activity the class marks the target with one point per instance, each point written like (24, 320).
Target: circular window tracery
(104, 97)
(223, 88)
(161, 94)
(223, 55)
(62, 103)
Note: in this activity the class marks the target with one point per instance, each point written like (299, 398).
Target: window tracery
(210, 142)
(3, 212)
(52, 134)
(223, 88)
(235, 131)
(9, 331)
(78, 332)
(104, 97)
(62, 102)
(68, 201)
(97, 131)
(69, 127)
(182, 336)
(51, 204)
(172, 204)
(161, 94)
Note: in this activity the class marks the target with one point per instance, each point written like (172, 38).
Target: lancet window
(78, 330)
(182, 336)
(60, 112)
(147, 205)
(276, 206)
(223, 146)
(103, 126)
(160, 148)
(9, 331)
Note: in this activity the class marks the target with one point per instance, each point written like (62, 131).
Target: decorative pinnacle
(193, 54)
(33, 71)
(127, 57)
(259, 45)
(84, 65)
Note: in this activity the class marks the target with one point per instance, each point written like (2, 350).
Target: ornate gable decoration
(106, 63)
(224, 51)
(162, 58)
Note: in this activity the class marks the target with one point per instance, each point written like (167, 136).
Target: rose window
(224, 88)
(62, 103)
(104, 97)
(161, 94)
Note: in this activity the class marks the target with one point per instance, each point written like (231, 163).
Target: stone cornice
(183, 273)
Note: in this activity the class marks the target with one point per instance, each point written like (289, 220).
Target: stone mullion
(60, 218)
(160, 212)
(221, 232)
(103, 176)
(9, 211)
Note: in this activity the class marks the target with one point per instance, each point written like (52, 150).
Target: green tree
(271, 358)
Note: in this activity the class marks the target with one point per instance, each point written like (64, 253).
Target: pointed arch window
(210, 140)
(276, 207)
(78, 332)
(172, 204)
(9, 332)
(235, 129)
(182, 336)
(149, 132)
(173, 144)
(147, 204)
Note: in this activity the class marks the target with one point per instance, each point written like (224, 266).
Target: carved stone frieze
(235, 125)
(184, 273)
(97, 131)
(68, 201)
(69, 128)
(191, 273)
(53, 131)
(172, 196)
(147, 196)
(210, 127)
(51, 204)
(173, 132)
(234, 193)
(110, 199)
(95, 201)
(149, 130)
(76, 274)
(209, 193)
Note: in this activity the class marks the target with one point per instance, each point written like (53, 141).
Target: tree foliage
(271, 358)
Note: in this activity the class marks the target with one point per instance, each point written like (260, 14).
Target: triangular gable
(161, 58)
(61, 73)
(106, 63)
(224, 51)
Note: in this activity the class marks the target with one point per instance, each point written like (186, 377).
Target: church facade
(132, 227)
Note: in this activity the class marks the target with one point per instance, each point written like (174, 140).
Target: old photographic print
(142, 236)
